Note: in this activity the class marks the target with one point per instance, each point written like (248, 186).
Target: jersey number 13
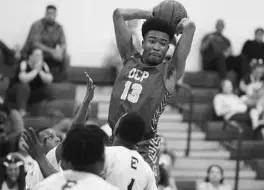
(133, 96)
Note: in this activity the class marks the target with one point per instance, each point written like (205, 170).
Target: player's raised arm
(80, 117)
(187, 28)
(123, 35)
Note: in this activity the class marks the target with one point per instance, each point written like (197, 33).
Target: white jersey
(34, 175)
(126, 169)
(73, 180)
(51, 157)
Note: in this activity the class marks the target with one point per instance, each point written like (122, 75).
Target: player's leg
(149, 150)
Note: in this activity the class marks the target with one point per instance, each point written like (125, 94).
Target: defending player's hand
(90, 87)
(34, 147)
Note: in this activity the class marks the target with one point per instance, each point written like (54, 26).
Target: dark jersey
(139, 88)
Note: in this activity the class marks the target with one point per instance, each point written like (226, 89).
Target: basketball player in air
(142, 86)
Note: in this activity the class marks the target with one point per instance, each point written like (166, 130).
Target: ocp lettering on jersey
(137, 74)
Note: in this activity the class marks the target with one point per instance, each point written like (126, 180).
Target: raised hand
(90, 87)
(34, 147)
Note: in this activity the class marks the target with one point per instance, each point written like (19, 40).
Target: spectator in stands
(11, 56)
(167, 161)
(230, 107)
(215, 179)
(252, 85)
(48, 35)
(9, 59)
(31, 83)
(216, 52)
(11, 125)
(253, 50)
(12, 173)
(253, 81)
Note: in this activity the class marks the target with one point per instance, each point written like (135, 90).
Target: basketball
(170, 10)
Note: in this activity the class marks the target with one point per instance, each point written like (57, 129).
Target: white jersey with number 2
(127, 170)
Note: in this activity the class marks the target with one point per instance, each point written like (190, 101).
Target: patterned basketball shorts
(149, 150)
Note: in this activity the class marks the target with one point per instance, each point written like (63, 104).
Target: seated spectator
(254, 49)
(215, 179)
(31, 83)
(48, 35)
(11, 56)
(230, 107)
(252, 85)
(252, 81)
(12, 173)
(216, 52)
(9, 59)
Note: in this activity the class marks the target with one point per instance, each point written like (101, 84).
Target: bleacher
(207, 134)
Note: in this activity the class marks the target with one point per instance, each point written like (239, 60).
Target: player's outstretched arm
(123, 35)
(187, 28)
(82, 113)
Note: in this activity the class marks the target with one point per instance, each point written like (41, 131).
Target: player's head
(130, 129)
(51, 13)
(50, 138)
(259, 33)
(157, 35)
(219, 26)
(83, 149)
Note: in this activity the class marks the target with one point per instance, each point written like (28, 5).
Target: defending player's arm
(81, 115)
(123, 34)
(187, 27)
(36, 149)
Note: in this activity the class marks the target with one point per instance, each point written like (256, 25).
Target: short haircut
(259, 30)
(157, 24)
(51, 7)
(83, 146)
(131, 128)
